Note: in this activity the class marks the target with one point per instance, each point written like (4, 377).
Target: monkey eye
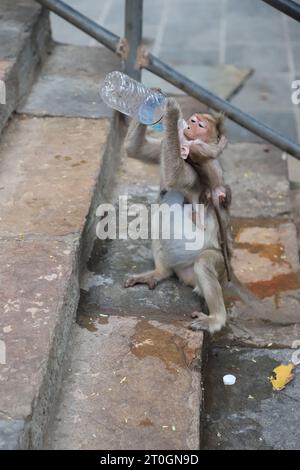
(193, 120)
(202, 124)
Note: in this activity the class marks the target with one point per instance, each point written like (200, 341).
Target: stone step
(100, 390)
(49, 180)
(24, 42)
(72, 76)
(69, 83)
(131, 383)
(133, 379)
(266, 255)
(52, 172)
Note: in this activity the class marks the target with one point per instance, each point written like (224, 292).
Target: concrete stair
(48, 177)
(124, 363)
(133, 378)
(105, 367)
(24, 43)
(50, 183)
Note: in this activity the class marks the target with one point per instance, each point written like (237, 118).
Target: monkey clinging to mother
(190, 173)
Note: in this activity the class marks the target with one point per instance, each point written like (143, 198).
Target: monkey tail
(223, 240)
(236, 288)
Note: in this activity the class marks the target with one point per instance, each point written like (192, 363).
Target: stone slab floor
(134, 377)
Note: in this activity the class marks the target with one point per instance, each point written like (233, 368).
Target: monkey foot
(132, 281)
(201, 322)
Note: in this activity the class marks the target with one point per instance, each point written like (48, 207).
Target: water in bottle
(132, 98)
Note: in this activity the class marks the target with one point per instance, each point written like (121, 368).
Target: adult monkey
(202, 268)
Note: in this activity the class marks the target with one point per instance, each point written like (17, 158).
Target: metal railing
(129, 48)
(288, 7)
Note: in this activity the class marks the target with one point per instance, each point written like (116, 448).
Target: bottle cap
(229, 379)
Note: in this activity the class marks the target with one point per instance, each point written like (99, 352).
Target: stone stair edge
(19, 67)
(23, 433)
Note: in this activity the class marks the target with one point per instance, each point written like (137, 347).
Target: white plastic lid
(229, 379)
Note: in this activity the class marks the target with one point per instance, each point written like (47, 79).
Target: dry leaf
(283, 375)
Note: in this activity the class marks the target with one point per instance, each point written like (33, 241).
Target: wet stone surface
(249, 414)
(169, 300)
(130, 384)
(112, 261)
(133, 377)
(265, 260)
(11, 431)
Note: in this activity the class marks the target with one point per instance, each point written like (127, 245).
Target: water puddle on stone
(91, 323)
(170, 348)
(263, 257)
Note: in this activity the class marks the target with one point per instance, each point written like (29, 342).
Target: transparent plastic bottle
(132, 98)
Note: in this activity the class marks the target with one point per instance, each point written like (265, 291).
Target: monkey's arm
(138, 145)
(202, 150)
(177, 174)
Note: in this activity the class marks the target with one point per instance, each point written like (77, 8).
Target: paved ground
(131, 383)
(133, 378)
(265, 259)
(246, 33)
(250, 415)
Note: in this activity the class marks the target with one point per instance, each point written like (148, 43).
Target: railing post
(133, 34)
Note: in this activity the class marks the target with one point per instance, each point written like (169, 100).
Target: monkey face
(200, 126)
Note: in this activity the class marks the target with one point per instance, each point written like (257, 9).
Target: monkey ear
(184, 152)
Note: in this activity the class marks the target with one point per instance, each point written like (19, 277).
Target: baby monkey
(202, 141)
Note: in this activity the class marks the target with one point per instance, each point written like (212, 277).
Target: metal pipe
(133, 34)
(82, 22)
(164, 71)
(288, 7)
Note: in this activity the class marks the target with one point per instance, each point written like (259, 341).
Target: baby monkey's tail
(236, 288)
(223, 237)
